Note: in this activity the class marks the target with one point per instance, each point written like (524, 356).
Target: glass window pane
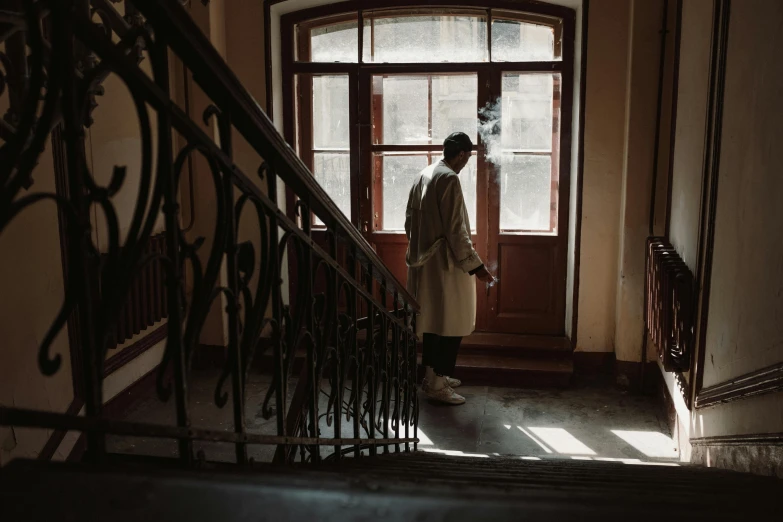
(526, 112)
(525, 192)
(330, 112)
(405, 108)
(424, 38)
(334, 43)
(468, 178)
(333, 172)
(399, 173)
(514, 41)
(454, 106)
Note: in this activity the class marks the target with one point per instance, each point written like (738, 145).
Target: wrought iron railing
(348, 313)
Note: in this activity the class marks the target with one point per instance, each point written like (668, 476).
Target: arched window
(370, 94)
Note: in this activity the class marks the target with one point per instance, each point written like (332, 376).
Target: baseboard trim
(128, 354)
(755, 439)
(761, 382)
(592, 364)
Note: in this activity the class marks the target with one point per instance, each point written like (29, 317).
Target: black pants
(441, 353)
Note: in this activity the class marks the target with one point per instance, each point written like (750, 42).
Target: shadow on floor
(584, 422)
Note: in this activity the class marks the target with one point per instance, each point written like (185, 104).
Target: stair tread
(559, 364)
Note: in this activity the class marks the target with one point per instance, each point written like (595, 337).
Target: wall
(744, 331)
(606, 77)
(31, 285)
(639, 158)
(31, 276)
(745, 321)
(692, 92)
(688, 164)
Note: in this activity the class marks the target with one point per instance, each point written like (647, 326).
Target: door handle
(491, 284)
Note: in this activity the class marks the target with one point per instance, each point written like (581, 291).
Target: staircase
(412, 486)
(487, 359)
(357, 337)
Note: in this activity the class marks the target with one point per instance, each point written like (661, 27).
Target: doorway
(374, 93)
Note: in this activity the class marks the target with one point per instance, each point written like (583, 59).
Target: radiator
(670, 305)
(146, 303)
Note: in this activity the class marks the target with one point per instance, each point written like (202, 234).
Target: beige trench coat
(440, 254)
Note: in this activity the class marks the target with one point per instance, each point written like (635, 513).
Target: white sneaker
(445, 395)
(453, 383)
(450, 382)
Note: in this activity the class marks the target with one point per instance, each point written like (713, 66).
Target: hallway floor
(583, 422)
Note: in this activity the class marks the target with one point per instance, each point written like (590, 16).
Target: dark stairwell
(340, 436)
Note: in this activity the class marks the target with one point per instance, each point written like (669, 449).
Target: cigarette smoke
(489, 131)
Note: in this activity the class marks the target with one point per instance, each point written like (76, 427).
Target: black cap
(458, 139)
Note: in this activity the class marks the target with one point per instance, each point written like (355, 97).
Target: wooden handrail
(220, 83)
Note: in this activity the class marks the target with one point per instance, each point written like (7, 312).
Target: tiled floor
(582, 422)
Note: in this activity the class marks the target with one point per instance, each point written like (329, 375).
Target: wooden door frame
(359, 184)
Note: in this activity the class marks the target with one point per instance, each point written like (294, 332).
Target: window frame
(366, 209)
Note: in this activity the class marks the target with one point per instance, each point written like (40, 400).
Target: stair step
(535, 371)
(413, 486)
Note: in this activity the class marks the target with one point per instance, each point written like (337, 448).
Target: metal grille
(670, 293)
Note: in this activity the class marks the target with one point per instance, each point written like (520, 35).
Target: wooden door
(409, 116)
(399, 111)
(528, 211)
(512, 186)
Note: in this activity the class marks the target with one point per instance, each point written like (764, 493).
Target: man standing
(441, 264)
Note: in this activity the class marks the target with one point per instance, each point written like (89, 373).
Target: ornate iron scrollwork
(360, 349)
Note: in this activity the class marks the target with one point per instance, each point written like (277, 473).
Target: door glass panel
(404, 106)
(526, 117)
(525, 192)
(424, 36)
(468, 179)
(423, 109)
(418, 111)
(399, 173)
(333, 172)
(530, 106)
(454, 106)
(323, 140)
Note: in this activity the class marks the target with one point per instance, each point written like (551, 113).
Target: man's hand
(484, 276)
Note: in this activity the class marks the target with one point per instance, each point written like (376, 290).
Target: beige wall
(639, 158)
(745, 328)
(745, 320)
(31, 278)
(688, 165)
(605, 113)
(692, 91)
(31, 283)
